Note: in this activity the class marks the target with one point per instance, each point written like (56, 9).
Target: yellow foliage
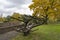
(2, 19)
(43, 7)
(16, 15)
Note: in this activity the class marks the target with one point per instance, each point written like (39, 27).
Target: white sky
(7, 7)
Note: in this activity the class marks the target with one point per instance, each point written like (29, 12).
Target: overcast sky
(7, 7)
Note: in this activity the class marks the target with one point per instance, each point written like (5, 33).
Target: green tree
(45, 8)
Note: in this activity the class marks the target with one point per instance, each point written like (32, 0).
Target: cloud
(7, 7)
(19, 2)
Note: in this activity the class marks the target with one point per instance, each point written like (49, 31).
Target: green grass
(44, 32)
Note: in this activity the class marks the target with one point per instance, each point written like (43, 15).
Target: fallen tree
(25, 25)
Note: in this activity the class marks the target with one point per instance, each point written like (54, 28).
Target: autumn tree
(16, 15)
(45, 8)
(58, 18)
(2, 19)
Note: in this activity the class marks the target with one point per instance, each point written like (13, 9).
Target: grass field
(44, 32)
